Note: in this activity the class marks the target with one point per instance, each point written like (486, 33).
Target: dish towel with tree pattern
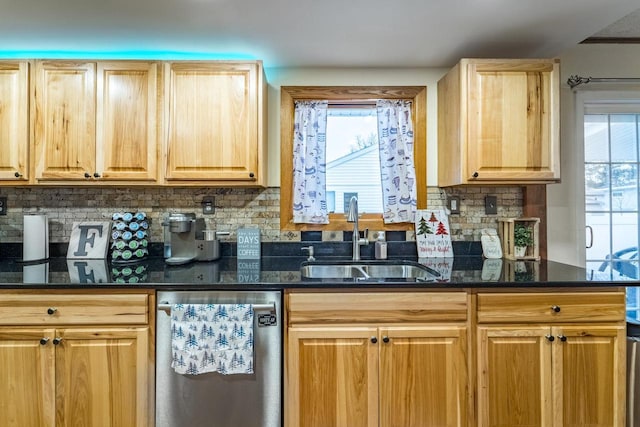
(212, 338)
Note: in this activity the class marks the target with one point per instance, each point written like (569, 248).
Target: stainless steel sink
(368, 270)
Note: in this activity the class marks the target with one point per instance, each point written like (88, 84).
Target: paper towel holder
(35, 241)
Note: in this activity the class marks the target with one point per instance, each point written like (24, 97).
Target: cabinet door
(589, 371)
(332, 377)
(423, 376)
(101, 377)
(213, 121)
(64, 142)
(513, 123)
(514, 376)
(127, 120)
(27, 396)
(14, 121)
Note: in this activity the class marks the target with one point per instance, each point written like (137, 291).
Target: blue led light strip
(126, 54)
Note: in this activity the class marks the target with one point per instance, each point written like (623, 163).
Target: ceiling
(626, 28)
(299, 33)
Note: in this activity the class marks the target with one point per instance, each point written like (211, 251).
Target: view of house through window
(353, 165)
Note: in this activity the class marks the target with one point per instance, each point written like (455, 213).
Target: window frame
(350, 94)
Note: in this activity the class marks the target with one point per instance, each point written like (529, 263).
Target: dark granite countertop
(279, 268)
(282, 272)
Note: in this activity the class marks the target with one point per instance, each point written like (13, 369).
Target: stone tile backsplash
(234, 208)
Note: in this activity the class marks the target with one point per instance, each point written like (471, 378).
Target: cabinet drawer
(549, 308)
(387, 307)
(33, 309)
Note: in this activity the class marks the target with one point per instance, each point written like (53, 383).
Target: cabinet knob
(57, 340)
(562, 338)
(44, 340)
(548, 337)
(555, 308)
(87, 175)
(475, 174)
(96, 175)
(51, 310)
(385, 339)
(17, 174)
(374, 340)
(251, 175)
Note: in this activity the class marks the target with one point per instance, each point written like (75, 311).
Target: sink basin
(368, 270)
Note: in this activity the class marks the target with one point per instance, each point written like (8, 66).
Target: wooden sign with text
(89, 240)
(433, 236)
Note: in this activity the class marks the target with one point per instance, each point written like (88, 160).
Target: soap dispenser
(381, 247)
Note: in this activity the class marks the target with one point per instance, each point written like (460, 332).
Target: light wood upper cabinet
(369, 359)
(498, 122)
(64, 142)
(133, 122)
(539, 370)
(14, 122)
(216, 123)
(95, 121)
(127, 121)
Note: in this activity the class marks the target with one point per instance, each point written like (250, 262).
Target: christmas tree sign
(433, 237)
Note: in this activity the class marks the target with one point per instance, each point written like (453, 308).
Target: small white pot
(520, 251)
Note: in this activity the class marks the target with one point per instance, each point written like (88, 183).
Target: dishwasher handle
(271, 307)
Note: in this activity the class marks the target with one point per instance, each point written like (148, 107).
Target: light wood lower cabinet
(485, 358)
(423, 376)
(65, 374)
(27, 369)
(333, 374)
(551, 374)
(369, 371)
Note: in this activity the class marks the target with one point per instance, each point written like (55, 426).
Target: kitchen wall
(254, 207)
(428, 77)
(234, 208)
(565, 201)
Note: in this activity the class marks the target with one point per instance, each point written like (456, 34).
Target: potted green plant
(522, 237)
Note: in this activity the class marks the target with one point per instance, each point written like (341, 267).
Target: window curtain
(309, 164)
(398, 175)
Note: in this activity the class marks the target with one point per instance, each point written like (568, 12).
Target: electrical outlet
(491, 205)
(208, 205)
(3, 205)
(454, 204)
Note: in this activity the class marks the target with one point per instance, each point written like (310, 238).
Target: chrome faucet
(352, 216)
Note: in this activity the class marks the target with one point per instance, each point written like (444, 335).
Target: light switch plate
(490, 205)
(454, 204)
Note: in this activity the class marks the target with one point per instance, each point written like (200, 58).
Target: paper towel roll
(35, 243)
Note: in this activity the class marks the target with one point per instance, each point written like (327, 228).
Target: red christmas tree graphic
(441, 230)
(433, 219)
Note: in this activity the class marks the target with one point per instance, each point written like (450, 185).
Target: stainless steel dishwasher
(213, 399)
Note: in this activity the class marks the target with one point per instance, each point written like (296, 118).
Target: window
(610, 128)
(354, 98)
(353, 161)
(611, 191)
